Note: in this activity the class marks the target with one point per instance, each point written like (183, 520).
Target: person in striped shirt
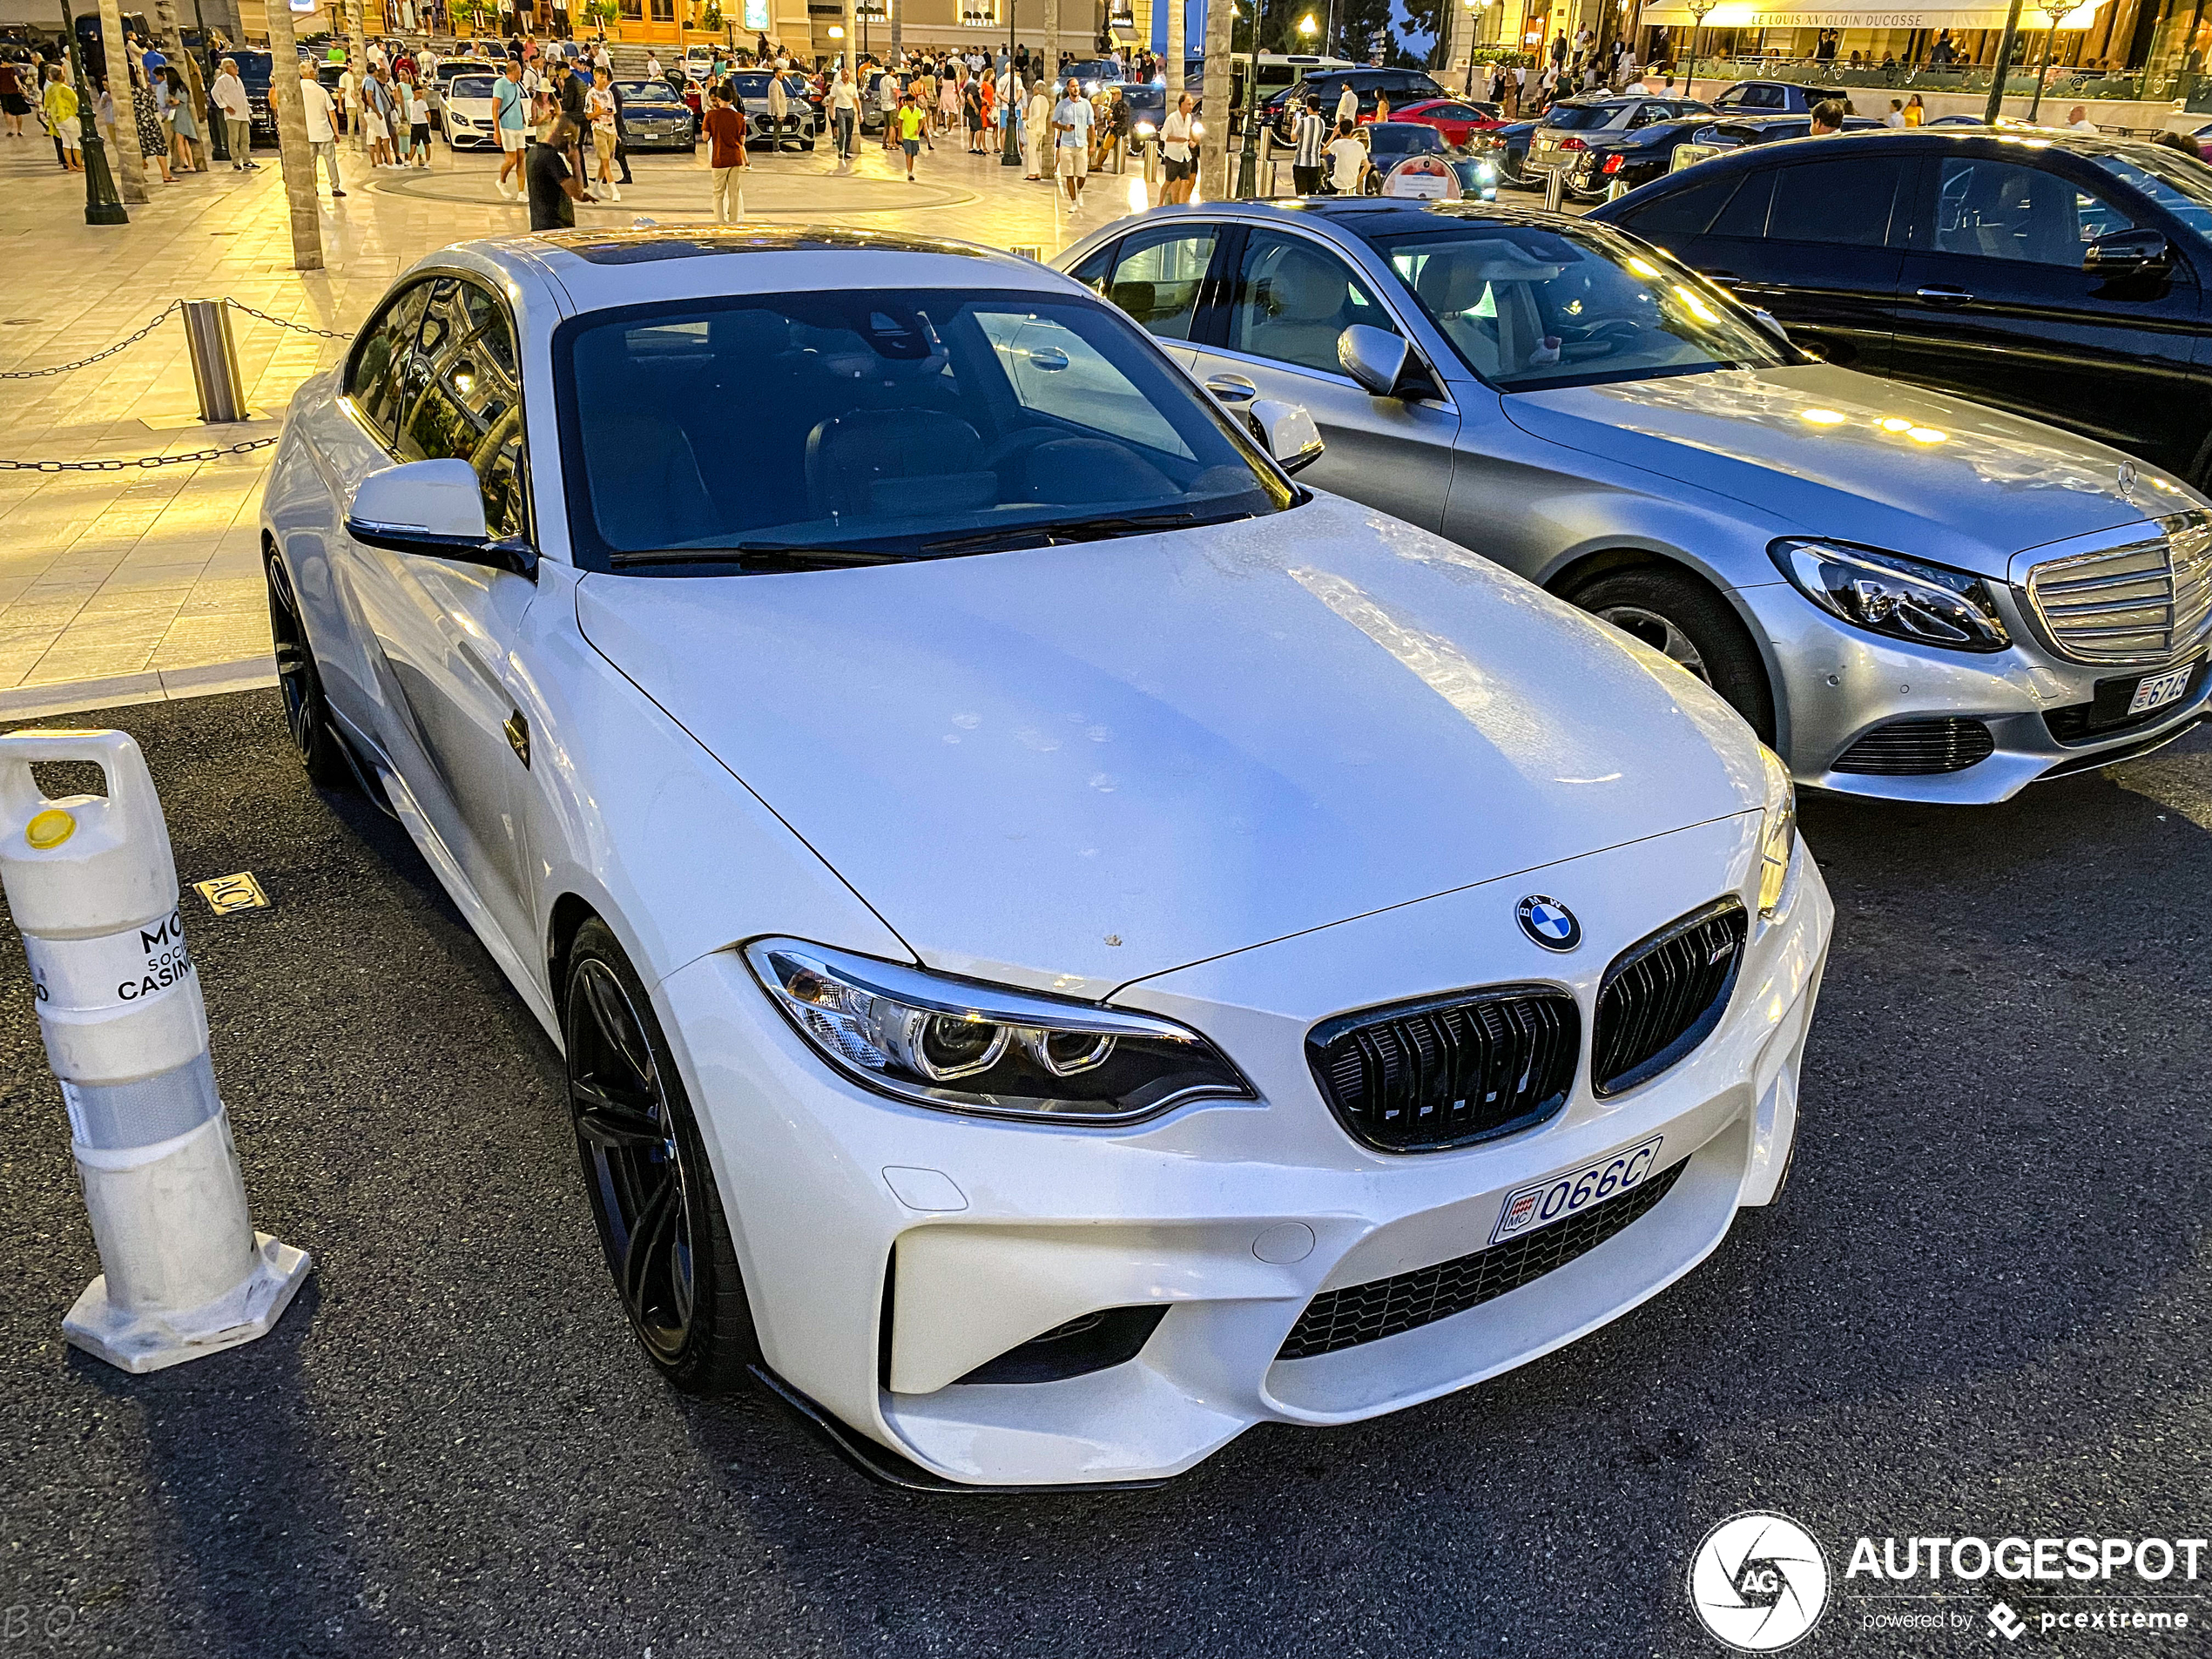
(1311, 134)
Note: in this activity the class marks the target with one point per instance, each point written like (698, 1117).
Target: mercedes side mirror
(1286, 431)
(1384, 363)
(2128, 254)
(433, 509)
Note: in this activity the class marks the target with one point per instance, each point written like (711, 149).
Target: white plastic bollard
(92, 885)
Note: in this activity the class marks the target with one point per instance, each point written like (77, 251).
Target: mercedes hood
(1831, 452)
(1072, 767)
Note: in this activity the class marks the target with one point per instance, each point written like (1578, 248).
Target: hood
(1072, 767)
(1992, 485)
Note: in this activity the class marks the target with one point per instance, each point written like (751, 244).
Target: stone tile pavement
(141, 584)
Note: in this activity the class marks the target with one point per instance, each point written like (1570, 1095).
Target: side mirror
(1383, 363)
(1772, 324)
(1287, 432)
(433, 509)
(2128, 254)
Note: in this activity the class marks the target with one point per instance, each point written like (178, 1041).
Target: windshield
(1395, 135)
(775, 431)
(2182, 186)
(1578, 117)
(1527, 308)
(647, 91)
(469, 86)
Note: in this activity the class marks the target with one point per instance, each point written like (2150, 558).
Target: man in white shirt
(426, 63)
(229, 93)
(1177, 133)
(1348, 161)
(1071, 123)
(1635, 88)
(1895, 117)
(322, 127)
(778, 106)
(652, 66)
(845, 114)
(2078, 120)
(1348, 106)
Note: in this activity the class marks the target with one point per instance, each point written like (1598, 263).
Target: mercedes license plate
(1557, 1196)
(2156, 691)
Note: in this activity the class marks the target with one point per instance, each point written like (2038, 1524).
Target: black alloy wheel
(645, 1171)
(307, 714)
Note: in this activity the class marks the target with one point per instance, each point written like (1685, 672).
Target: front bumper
(1837, 683)
(889, 1251)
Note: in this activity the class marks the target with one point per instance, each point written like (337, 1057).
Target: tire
(645, 1172)
(306, 711)
(1679, 616)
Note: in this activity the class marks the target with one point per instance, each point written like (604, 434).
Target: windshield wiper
(764, 557)
(1079, 530)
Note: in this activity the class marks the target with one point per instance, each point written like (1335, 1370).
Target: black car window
(2182, 186)
(1745, 215)
(2000, 210)
(1293, 299)
(1761, 98)
(463, 403)
(1646, 113)
(1158, 276)
(1844, 203)
(374, 375)
(1577, 117)
(1092, 271)
(1682, 212)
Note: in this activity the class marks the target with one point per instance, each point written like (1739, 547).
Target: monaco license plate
(2156, 691)
(1557, 1196)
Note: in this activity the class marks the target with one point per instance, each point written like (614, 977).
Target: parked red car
(1455, 118)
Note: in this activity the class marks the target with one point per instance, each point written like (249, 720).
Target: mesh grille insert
(1383, 1307)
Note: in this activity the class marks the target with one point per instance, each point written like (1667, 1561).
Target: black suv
(1404, 86)
(2064, 279)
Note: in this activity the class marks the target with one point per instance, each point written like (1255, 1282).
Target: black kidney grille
(1918, 748)
(1663, 995)
(1416, 1076)
(1383, 1307)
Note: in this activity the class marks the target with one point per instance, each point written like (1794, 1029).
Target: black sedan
(1594, 141)
(2065, 279)
(654, 117)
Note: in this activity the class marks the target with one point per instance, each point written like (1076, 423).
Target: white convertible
(1066, 944)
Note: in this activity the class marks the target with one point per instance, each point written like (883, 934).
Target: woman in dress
(184, 127)
(153, 140)
(949, 100)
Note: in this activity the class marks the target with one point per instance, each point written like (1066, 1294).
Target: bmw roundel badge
(1550, 923)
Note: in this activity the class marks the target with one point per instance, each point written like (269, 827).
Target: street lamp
(1010, 151)
(2055, 9)
(1476, 10)
(1697, 10)
(1248, 158)
(102, 205)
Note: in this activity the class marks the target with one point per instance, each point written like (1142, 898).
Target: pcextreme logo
(1758, 1582)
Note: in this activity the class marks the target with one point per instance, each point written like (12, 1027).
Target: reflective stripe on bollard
(92, 885)
(214, 360)
(1554, 189)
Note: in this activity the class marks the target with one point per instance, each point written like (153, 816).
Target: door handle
(1944, 296)
(1232, 388)
(1726, 279)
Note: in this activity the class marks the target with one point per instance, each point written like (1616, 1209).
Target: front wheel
(645, 1171)
(1692, 626)
(306, 713)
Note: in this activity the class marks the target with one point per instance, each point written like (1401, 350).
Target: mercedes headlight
(967, 1048)
(1887, 594)
(1778, 833)
(1144, 129)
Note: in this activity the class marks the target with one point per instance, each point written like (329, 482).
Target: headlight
(1144, 129)
(1886, 594)
(1778, 834)
(966, 1048)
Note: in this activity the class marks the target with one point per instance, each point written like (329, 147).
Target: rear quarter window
(1686, 212)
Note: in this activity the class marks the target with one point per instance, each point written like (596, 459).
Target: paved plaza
(146, 584)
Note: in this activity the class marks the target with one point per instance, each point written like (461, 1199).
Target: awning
(1955, 18)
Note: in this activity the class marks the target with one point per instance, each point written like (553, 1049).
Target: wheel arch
(1585, 568)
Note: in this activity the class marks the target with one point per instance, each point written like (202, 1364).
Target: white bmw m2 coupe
(1066, 944)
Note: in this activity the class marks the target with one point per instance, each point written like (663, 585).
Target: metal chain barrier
(301, 327)
(129, 340)
(147, 462)
(136, 461)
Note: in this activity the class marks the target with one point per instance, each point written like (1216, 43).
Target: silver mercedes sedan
(1906, 594)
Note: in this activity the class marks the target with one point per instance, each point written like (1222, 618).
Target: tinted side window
(1293, 299)
(1092, 271)
(1157, 277)
(1683, 212)
(1999, 210)
(372, 379)
(1745, 215)
(1845, 203)
(466, 405)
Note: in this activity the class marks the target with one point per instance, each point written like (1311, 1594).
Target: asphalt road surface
(1981, 1309)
